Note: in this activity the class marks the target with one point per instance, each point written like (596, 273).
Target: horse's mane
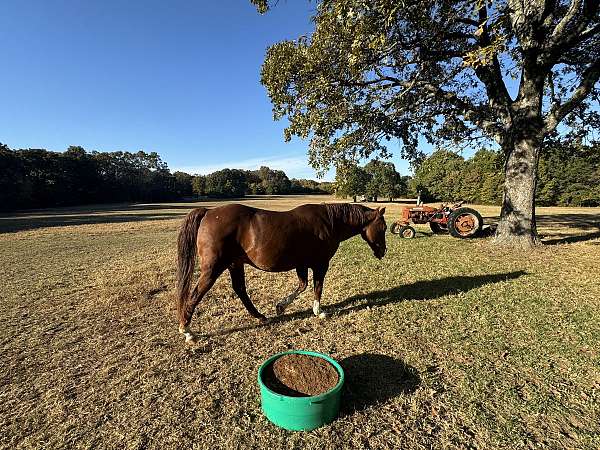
(354, 215)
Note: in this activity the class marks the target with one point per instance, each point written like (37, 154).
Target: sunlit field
(446, 343)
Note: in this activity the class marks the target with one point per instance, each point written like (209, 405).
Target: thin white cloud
(293, 165)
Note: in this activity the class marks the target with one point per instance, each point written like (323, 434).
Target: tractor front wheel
(395, 228)
(465, 223)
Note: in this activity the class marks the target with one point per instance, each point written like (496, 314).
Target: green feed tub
(300, 413)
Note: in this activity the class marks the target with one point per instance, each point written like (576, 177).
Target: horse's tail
(186, 256)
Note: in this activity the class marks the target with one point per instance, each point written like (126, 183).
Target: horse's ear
(382, 211)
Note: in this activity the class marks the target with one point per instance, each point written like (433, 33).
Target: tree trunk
(517, 226)
(354, 198)
(521, 145)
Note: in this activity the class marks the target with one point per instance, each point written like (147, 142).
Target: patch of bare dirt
(298, 375)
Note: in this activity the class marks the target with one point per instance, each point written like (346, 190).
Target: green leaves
(261, 5)
(376, 179)
(383, 69)
(446, 176)
(350, 179)
(365, 76)
(569, 175)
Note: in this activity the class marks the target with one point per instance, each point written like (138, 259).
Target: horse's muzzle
(379, 253)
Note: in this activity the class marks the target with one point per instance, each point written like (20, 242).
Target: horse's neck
(345, 229)
(348, 231)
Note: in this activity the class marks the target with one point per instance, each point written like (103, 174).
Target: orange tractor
(459, 221)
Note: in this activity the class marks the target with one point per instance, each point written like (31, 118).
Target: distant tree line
(38, 178)
(447, 176)
(229, 183)
(377, 179)
(569, 175)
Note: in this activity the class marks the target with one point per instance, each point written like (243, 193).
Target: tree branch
(560, 28)
(472, 113)
(468, 21)
(392, 82)
(588, 33)
(573, 27)
(553, 96)
(558, 112)
(548, 12)
(491, 75)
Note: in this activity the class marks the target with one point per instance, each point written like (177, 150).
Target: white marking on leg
(316, 307)
(189, 335)
(317, 310)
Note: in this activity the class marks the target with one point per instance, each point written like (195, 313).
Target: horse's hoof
(322, 316)
(191, 338)
(279, 309)
(197, 347)
(263, 319)
(195, 343)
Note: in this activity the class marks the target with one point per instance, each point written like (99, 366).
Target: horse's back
(238, 213)
(236, 221)
(220, 222)
(269, 240)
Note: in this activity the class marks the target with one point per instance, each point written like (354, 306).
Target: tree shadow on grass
(572, 239)
(109, 213)
(371, 379)
(580, 221)
(574, 220)
(420, 290)
(14, 224)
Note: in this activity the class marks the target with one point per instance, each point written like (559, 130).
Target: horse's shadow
(371, 379)
(420, 290)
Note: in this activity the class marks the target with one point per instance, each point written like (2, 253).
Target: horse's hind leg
(238, 281)
(318, 279)
(302, 273)
(208, 276)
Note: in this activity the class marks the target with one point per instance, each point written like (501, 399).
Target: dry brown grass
(446, 343)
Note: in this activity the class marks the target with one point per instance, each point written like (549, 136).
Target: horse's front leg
(302, 273)
(318, 279)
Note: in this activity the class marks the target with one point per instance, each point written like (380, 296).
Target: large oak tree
(441, 70)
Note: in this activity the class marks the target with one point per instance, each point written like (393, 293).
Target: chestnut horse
(229, 236)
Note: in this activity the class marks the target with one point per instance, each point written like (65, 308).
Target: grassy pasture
(446, 343)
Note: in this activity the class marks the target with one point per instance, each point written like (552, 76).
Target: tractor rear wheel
(407, 232)
(438, 228)
(465, 223)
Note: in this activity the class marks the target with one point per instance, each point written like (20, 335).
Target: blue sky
(177, 77)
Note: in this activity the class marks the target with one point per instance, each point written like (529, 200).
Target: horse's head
(374, 232)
